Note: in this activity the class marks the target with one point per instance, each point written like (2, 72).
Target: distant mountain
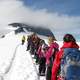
(39, 29)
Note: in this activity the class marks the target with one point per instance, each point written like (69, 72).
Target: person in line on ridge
(50, 55)
(33, 42)
(66, 65)
(30, 41)
(23, 39)
(42, 57)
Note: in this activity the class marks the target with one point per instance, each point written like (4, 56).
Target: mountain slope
(15, 62)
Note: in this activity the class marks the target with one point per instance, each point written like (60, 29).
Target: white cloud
(15, 11)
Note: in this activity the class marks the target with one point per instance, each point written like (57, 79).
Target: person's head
(42, 42)
(44, 45)
(69, 38)
(33, 34)
(51, 39)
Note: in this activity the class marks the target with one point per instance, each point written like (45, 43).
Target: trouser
(28, 46)
(49, 72)
(32, 50)
(42, 65)
(37, 58)
(23, 42)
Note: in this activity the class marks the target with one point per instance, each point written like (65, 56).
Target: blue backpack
(70, 64)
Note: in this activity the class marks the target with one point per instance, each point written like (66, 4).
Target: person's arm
(56, 65)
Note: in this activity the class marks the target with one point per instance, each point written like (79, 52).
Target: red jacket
(58, 57)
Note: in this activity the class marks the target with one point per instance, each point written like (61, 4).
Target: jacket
(50, 51)
(41, 52)
(58, 57)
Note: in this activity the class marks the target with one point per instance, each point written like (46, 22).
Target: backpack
(70, 64)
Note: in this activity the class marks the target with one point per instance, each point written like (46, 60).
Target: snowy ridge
(15, 62)
(22, 67)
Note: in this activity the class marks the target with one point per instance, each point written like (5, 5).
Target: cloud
(16, 11)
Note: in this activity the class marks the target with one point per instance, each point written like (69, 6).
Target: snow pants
(42, 65)
(49, 72)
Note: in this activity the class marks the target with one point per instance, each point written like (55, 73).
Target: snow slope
(15, 62)
(22, 67)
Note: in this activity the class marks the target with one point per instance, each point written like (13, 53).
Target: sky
(60, 16)
(70, 7)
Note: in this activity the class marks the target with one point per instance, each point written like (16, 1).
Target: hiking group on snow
(54, 62)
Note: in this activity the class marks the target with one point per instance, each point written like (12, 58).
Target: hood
(70, 45)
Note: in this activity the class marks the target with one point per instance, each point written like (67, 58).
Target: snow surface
(15, 62)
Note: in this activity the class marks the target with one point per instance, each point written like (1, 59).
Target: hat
(68, 38)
